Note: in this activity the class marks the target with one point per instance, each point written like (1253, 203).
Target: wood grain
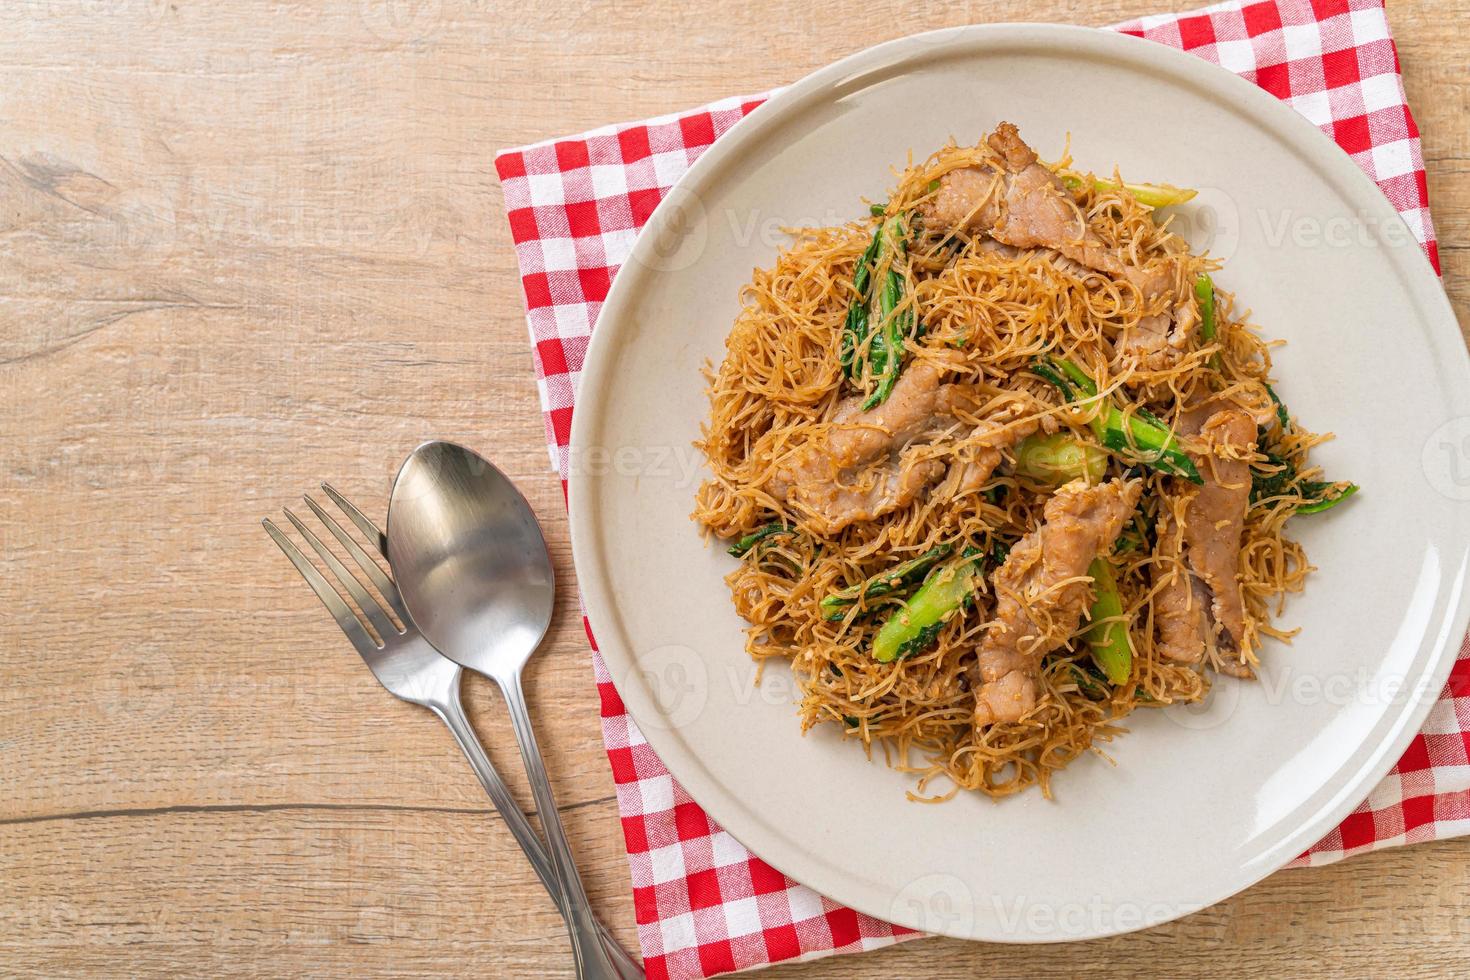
(250, 246)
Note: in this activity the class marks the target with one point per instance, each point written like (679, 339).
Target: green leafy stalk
(1136, 436)
(741, 547)
(1204, 295)
(1089, 682)
(856, 330)
(1274, 481)
(1044, 370)
(885, 349)
(885, 582)
(1282, 415)
(1078, 377)
(1153, 195)
(1136, 536)
(1059, 458)
(1108, 635)
(1281, 474)
(917, 623)
(1326, 495)
(1320, 495)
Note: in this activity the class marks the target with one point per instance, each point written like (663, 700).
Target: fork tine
(340, 611)
(364, 524)
(365, 602)
(383, 583)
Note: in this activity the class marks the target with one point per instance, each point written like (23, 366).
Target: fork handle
(453, 716)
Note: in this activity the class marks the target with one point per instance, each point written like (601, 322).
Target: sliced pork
(872, 463)
(1021, 204)
(1158, 341)
(1179, 605)
(1042, 590)
(982, 448)
(1201, 607)
(857, 437)
(867, 494)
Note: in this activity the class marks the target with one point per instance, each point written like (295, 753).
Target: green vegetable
(1089, 682)
(739, 548)
(1060, 458)
(1320, 494)
(1044, 370)
(885, 349)
(877, 210)
(1282, 415)
(915, 625)
(1204, 294)
(1075, 375)
(856, 330)
(1135, 536)
(1137, 436)
(1328, 495)
(1275, 482)
(884, 583)
(1109, 640)
(1153, 195)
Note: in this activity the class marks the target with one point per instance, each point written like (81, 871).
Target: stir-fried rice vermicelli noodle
(936, 435)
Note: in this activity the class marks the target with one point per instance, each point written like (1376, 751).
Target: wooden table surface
(249, 246)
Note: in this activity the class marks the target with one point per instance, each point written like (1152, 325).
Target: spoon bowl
(470, 559)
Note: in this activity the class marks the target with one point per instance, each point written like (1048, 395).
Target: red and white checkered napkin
(705, 904)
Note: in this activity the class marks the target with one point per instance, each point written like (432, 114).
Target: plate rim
(1276, 117)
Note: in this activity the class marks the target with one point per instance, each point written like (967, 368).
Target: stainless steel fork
(409, 667)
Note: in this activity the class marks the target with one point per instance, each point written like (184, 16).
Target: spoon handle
(592, 960)
(451, 712)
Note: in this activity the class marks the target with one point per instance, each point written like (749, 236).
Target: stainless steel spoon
(476, 578)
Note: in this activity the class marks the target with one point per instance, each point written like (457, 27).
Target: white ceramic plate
(1202, 802)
